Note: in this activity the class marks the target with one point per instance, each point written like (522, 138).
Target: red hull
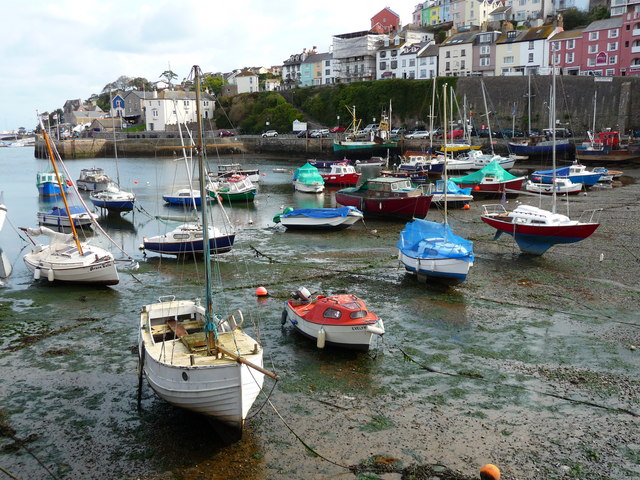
(340, 179)
(494, 188)
(564, 233)
(401, 206)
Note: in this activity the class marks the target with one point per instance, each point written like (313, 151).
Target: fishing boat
(607, 147)
(183, 196)
(534, 229)
(431, 250)
(341, 175)
(113, 199)
(59, 217)
(491, 180)
(536, 145)
(65, 259)
(318, 218)
(188, 239)
(307, 179)
(575, 172)
(233, 188)
(192, 356)
(386, 196)
(373, 141)
(227, 170)
(562, 186)
(48, 185)
(480, 160)
(335, 321)
(92, 179)
(325, 163)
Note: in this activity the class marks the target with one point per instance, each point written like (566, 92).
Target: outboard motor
(303, 294)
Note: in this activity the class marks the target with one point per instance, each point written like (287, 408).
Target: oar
(240, 359)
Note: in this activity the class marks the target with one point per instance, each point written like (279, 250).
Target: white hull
(306, 188)
(79, 219)
(302, 221)
(63, 263)
(358, 337)
(442, 267)
(561, 187)
(220, 388)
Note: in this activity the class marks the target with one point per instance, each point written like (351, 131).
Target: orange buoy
(476, 188)
(261, 292)
(466, 206)
(490, 472)
(135, 181)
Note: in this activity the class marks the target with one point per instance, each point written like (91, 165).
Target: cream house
(170, 107)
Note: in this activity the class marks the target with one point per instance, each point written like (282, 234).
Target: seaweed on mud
(381, 464)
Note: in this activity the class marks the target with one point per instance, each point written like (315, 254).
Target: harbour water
(528, 364)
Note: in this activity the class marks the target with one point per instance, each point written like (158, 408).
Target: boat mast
(484, 98)
(47, 141)
(115, 145)
(529, 103)
(552, 117)
(209, 328)
(445, 167)
(593, 128)
(433, 102)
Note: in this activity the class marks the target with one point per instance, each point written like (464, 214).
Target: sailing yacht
(534, 229)
(65, 258)
(431, 249)
(194, 357)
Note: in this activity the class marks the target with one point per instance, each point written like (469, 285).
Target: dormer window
(512, 34)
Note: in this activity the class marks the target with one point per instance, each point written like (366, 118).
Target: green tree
(574, 18)
(213, 84)
(168, 75)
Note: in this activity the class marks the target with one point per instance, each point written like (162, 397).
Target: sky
(63, 50)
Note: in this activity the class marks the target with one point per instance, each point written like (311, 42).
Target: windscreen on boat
(493, 169)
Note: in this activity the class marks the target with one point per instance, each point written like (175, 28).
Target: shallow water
(462, 377)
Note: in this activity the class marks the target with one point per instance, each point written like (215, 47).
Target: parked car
(560, 132)
(303, 134)
(319, 133)
(338, 129)
(484, 133)
(225, 133)
(418, 134)
(370, 127)
(398, 131)
(270, 133)
(508, 133)
(455, 134)
(438, 132)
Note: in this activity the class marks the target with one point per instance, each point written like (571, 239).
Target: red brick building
(385, 21)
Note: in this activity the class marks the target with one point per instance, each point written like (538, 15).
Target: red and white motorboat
(341, 174)
(336, 321)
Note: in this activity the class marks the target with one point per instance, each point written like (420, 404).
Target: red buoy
(261, 292)
(490, 472)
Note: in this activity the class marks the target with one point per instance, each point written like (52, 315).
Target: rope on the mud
(519, 387)
(346, 467)
(8, 473)
(265, 402)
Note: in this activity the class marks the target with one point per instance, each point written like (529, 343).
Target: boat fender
(36, 274)
(283, 319)
(375, 330)
(322, 337)
(50, 275)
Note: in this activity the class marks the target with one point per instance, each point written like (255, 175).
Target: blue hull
(584, 179)
(50, 189)
(217, 245)
(181, 200)
(538, 245)
(115, 206)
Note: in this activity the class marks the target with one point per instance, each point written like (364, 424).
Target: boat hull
(308, 188)
(537, 239)
(451, 269)
(401, 207)
(79, 220)
(50, 189)
(301, 222)
(114, 205)
(341, 179)
(543, 148)
(181, 200)
(220, 244)
(509, 188)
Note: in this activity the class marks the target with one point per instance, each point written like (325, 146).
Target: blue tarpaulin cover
(425, 239)
(321, 212)
(452, 187)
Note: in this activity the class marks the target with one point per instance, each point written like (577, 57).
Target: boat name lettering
(362, 327)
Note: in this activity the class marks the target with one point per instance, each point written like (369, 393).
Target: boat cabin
(392, 187)
(337, 310)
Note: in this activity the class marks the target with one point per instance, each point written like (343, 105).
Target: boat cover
(321, 212)
(425, 239)
(494, 169)
(62, 212)
(452, 188)
(308, 174)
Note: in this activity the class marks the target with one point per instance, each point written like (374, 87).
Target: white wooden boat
(92, 179)
(59, 217)
(187, 239)
(336, 321)
(318, 218)
(193, 359)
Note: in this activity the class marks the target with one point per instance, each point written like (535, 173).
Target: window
(569, 57)
(383, 54)
(423, 61)
(612, 46)
(531, 58)
(593, 36)
(613, 59)
(404, 62)
(463, 53)
(556, 58)
(447, 67)
(412, 74)
(394, 64)
(332, 313)
(423, 73)
(154, 112)
(485, 50)
(394, 53)
(531, 45)
(593, 48)
(613, 33)
(508, 60)
(383, 65)
(591, 62)
(610, 72)
(462, 65)
(447, 54)
(484, 61)
(571, 44)
(412, 62)
(327, 72)
(555, 46)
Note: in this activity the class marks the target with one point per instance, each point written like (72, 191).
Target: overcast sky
(53, 51)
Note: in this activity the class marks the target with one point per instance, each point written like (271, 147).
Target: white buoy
(601, 256)
(322, 336)
(50, 275)
(36, 274)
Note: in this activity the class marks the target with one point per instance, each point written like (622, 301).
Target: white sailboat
(65, 258)
(431, 249)
(193, 357)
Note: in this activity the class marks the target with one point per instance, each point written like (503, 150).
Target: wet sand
(527, 365)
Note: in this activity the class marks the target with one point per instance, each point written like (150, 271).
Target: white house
(170, 107)
(247, 82)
